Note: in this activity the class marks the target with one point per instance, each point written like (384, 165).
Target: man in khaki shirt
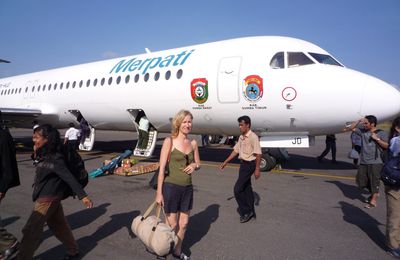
(249, 150)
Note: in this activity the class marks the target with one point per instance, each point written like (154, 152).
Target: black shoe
(71, 257)
(9, 252)
(246, 217)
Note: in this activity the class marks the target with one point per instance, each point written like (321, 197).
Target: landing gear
(271, 157)
(267, 162)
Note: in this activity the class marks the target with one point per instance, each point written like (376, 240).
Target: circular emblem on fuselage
(253, 88)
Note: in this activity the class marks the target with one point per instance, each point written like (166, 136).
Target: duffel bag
(158, 237)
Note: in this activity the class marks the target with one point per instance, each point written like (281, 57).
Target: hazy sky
(44, 34)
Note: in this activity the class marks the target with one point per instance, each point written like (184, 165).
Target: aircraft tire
(280, 154)
(267, 163)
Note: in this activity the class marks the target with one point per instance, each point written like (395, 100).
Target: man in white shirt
(143, 132)
(71, 137)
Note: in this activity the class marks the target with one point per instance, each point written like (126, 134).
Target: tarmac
(306, 210)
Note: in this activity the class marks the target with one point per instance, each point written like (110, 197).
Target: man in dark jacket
(9, 178)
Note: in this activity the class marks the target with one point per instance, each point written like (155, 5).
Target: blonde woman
(175, 190)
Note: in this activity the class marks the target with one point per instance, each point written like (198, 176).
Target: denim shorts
(177, 198)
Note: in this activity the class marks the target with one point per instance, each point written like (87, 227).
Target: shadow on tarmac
(199, 225)
(8, 221)
(350, 191)
(297, 162)
(365, 222)
(88, 243)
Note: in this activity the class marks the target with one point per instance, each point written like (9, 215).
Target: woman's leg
(181, 230)
(62, 231)
(33, 229)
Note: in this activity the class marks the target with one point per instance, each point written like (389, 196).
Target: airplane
(292, 90)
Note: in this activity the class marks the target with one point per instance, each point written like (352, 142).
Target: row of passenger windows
(94, 83)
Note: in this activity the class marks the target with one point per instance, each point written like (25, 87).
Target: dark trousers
(143, 139)
(329, 146)
(243, 190)
(72, 145)
(7, 240)
(53, 214)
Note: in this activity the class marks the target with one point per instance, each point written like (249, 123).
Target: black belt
(247, 162)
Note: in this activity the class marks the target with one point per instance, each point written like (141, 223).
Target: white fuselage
(312, 99)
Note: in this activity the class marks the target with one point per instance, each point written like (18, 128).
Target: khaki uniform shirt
(247, 146)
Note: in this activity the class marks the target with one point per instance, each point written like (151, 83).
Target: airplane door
(228, 80)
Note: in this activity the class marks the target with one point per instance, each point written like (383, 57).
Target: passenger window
(110, 81)
(127, 78)
(298, 59)
(88, 83)
(55, 86)
(118, 79)
(12, 91)
(49, 87)
(156, 76)
(67, 86)
(146, 77)
(278, 61)
(95, 82)
(137, 78)
(167, 75)
(80, 83)
(61, 85)
(38, 89)
(33, 88)
(179, 74)
(103, 80)
(20, 90)
(74, 84)
(26, 89)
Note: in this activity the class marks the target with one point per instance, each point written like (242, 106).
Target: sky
(38, 35)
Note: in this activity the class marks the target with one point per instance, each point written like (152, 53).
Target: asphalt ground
(307, 210)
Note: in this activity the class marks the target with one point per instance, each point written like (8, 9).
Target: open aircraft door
(228, 80)
(87, 130)
(147, 148)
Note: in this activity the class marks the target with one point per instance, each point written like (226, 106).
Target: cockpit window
(278, 61)
(298, 59)
(324, 59)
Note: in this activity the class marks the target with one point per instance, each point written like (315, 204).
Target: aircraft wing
(19, 116)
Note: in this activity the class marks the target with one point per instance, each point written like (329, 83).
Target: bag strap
(170, 150)
(149, 210)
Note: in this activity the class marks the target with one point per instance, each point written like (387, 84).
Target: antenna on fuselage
(147, 50)
(4, 61)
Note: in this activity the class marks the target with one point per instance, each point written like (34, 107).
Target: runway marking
(313, 174)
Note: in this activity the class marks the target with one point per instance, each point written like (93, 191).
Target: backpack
(76, 166)
(390, 174)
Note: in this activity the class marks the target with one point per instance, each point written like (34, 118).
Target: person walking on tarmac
(9, 178)
(393, 196)
(249, 151)
(330, 144)
(373, 141)
(53, 183)
(71, 137)
(175, 190)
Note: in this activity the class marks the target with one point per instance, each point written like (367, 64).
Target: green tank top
(177, 163)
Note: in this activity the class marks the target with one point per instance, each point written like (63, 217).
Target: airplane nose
(380, 99)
